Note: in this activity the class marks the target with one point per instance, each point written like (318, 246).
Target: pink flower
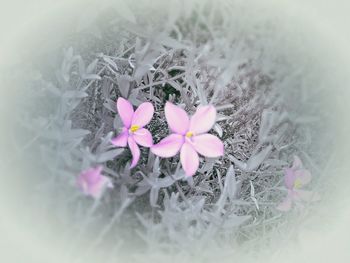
(295, 178)
(92, 182)
(133, 132)
(189, 136)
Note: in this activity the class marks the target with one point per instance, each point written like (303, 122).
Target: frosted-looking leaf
(241, 165)
(124, 85)
(201, 93)
(204, 187)
(133, 98)
(110, 104)
(230, 183)
(55, 91)
(69, 53)
(268, 118)
(110, 155)
(218, 129)
(153, 197)
(87, 73)
(75, 133)
(111, 63)
(91, 77)
(189, 180)
(92, 66)
(81, 64)
(252, 189)
(124, 193)
(132, 61)
(67, 64)
(198, 206)
(117, 122)
(227, 75)
(252, 195)
(256, 160)
(207, 165)
(169, 42)
(156, 166)
(143, 221)
(164, 182)
(142, 70)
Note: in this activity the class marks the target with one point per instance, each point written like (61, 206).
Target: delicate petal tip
(169, 146)
(135, 151)
(289, 178)
(189, 159)
(296, 176)
(208, 145)
(203, 119)
(91, 182)
(125, 111)
(297, 163)
(143, 114)
(97, 189)
(177, 118)
(143, 137)
(121, 140)
(303, 176)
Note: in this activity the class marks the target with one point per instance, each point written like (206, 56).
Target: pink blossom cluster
(189, 136)
(295, 178)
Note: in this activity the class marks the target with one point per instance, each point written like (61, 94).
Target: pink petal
(82, 184)
(135, 151)
(189, 159)
(143, 114)
(92, 182)
(169, 146)
(203, 120)
(96, 189)
(289, 178)
(143, 137)
(286, 205)
(208, 145)
(297, 164)
(125, 111)
(92, 175)
(303, 176)
(122, 139)
(177, 118)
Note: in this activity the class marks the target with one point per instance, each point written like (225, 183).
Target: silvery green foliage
(230, 199)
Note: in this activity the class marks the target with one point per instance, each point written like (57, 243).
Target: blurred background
(32, 28)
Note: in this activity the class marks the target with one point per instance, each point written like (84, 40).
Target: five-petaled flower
(189, 136)
(295, 178)
(92, 182)
(133, 132)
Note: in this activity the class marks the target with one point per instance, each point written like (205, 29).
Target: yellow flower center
(189, 134)
(134, 128)
(297, 183)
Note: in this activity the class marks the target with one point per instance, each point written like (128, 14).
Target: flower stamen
(297, 183)
(189, 134)
(134, 128)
